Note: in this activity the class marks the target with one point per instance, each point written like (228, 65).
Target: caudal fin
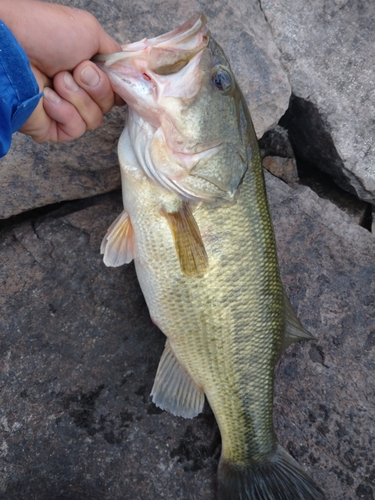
(278, 477)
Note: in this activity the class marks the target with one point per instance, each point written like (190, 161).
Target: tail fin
(278, 477)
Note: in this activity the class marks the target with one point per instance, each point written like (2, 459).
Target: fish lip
(172, 39)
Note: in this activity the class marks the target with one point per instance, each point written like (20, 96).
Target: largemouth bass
(197, 224)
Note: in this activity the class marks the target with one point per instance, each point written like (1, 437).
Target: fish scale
(216, 324)
(197, 224)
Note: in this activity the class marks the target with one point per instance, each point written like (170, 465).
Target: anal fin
(294, 331)
(188, 241)
(174, 390)
(118, 245)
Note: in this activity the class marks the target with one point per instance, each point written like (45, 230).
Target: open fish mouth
(165, 54)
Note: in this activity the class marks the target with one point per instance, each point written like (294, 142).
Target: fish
(196, 223)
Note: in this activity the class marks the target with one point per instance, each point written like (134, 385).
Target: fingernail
(51, 96)
(90, 76)
(69, 82)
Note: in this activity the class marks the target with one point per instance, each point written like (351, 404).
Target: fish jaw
(144, 90)
(166, 67)
(165, 52)
(138, 80)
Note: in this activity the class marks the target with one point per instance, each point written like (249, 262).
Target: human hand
(59, 42)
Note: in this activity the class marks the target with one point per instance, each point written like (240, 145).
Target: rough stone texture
(323, 184)
(78, 356)
(79, 353)
(36, 175)
(325, 405)
(284, 168)
(327, 49)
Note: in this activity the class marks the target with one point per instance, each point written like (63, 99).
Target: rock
(34, 175)
(278, 158)
(79, 353)
(359, 211)
(78, 357)
(325, 409)
(284, 168)
(275, 142)
(278, 155)
(326, 48)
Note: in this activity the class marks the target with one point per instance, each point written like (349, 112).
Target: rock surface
(325, 406)
(79, 353)
(327, 50)
(36, 175)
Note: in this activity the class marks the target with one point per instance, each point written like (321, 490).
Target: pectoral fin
(117, 245)
(188, 241)
(174, 390)
(294, 331)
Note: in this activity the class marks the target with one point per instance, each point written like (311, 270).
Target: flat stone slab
(79, 354)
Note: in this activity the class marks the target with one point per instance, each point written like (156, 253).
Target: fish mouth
(165, 54)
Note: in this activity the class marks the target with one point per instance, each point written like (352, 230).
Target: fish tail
(277, 477)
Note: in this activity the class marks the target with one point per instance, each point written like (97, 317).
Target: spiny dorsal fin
(117, 245)
(174, 390)
(294, 331)
(188, 241)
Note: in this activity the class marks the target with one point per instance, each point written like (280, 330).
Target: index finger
(96, 83)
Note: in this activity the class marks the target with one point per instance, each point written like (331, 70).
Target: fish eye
(222, 80)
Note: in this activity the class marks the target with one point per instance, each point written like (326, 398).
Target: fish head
(188, 120)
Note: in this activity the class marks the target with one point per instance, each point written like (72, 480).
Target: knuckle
(94, 122)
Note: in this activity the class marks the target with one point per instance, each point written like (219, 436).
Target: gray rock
(324, 402)
(78, 357)
(327, 49)
(323, 184)
(36, 175)
(79, 353)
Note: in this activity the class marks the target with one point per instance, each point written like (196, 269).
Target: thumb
(107, 45)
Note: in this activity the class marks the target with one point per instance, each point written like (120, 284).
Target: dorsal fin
(118, 245)
(294, 331)
(174, 390)
(188, 241)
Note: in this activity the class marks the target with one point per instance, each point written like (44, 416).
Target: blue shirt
(19, 90)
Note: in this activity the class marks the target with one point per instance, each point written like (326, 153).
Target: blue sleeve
(19, 91)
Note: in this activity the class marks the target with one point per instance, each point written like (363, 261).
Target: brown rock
(78, 356)
(284, 168)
